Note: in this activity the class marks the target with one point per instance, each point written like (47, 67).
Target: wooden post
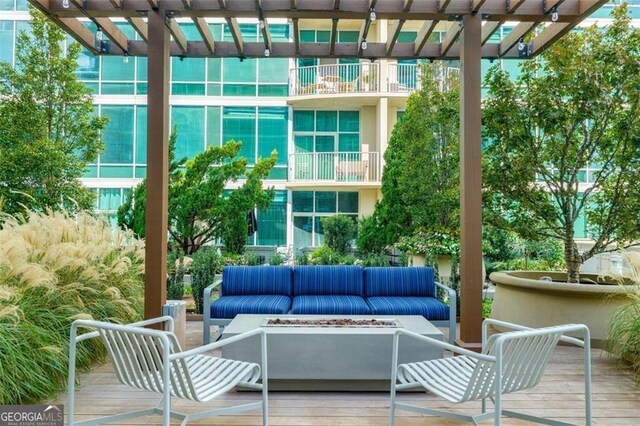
(156, 224)
(471, 279)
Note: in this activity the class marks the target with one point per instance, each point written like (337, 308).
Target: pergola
(471, 23)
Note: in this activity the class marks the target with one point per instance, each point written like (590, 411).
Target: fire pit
(330, 322)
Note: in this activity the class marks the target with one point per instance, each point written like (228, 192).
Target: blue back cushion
(256, 280)
(413, 281)
(328, 280)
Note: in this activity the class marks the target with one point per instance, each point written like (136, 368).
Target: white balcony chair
(509, 362)
(139, 356)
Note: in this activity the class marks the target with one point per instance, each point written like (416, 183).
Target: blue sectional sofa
(327, 290)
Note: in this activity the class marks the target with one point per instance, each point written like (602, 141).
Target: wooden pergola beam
(116, 3)
(442, 5)
(450, 37)
(520, 31)
(476, 5)
(488, 29)
(153, 4)
(140, 26)
(117, 37)
(266, 35)
(205, 33)
(334, 35)
(237, 35)
(548, 36)
(423, 36)
(178, 35)
(296, 35)
(395, 33)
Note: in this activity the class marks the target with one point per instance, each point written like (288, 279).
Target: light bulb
(554, 14)
(267, 52)
(261, 23)
(364, 44)
(65, 4)
(521, 44)
(125, 58)
(372, 14)
(99, 34)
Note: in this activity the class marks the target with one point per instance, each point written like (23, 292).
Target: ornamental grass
(55, 269)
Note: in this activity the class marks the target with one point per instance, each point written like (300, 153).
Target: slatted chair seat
(509, 362)
(139, 357)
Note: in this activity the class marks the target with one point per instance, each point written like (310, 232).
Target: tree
(578, 106)
(48, 130)
(420, 181)
(199, 210)
(339, 231)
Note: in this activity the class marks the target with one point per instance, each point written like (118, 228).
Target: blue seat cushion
(385, 281)
(246, 280)
(329, 305)
(328, 280)
(429, 307)
(230, 306)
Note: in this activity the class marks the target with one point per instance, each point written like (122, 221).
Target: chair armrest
(90, 324)
(452, 293)
(516, 327)
(220, 343)
(439, 344)
(208, 290)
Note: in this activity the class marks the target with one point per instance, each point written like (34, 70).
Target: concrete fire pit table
(335, 358)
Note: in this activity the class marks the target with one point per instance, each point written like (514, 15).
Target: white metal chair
(509, 362)
(150, 359)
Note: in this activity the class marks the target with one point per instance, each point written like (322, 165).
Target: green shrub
(486, 307)
(55, 269)
(301, 258)
(254, 259)
(379, 259)
(371, 238)
(349, 259)
(325, 255)
(339, 231)
(624, 335)
(276, 259)
(206, 264)
(175, 274)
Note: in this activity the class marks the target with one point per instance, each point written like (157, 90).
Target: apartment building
(329, 120)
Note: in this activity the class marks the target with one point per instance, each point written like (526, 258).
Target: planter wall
(522, 298)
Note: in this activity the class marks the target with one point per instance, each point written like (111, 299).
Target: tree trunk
(572, 258)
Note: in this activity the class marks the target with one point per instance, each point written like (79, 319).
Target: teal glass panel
(190, 31)
(118, 135)
(307, 36)
(273, 90)
(272, 223)
(303, 144)
(90, 172)
(109, 198)
(349, 121)
(88, 65)
(189, 69)
(325, 202)
(349, 73)
(347, 202)
(216, 31)
(279, 32)
(235, 71)
(239, 90)
(303, 121)
(6, 39)
(272, 132)
(249, 32)
(319, 231)
(214, 69)
(348, 142)
(323, 36)
(127, 29)
(116, 171)
(95, 87)
(278, 173)
(7, 5)
(141, 134)
(348, 36)
(239, 124)
(326, 121)
(512, 66)
(307, 62)
(141, 88)
(214, 89)
(580, 225)
(189, 121)
(302, 201)
(273, 70)
(192, 89)
(302, 231)
(141, 172)
(22, 5)
(117, 88)
(213, 126)
(115, 69)
(141, 73)
(407, 36)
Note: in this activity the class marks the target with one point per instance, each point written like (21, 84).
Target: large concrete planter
(522, 298)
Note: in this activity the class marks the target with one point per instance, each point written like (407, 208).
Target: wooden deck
(616, 398)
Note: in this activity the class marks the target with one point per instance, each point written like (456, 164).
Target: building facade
(328, 120)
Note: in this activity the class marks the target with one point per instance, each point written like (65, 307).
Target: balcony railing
(334, 78)
(334, 167)
(362, 77)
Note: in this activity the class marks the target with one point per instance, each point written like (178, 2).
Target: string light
(372, 14)
(65, 4)
(521, 44)
(554, 14)
(267, 52)
(364, 44)
(125, 58)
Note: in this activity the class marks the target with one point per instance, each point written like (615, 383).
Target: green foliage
(578, 106)
(199, 211)
(276, 259)
(254, 259)
(624, 335)
(486, 307)
(301, 258)
(325, 255)
(430, 244)
(54, 269)
(370, 239)
(48, 130)
(374, 259)
(339, 231)
(175, 274)
(206, 264)
(420, 181)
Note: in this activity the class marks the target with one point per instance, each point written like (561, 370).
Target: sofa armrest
(206, 309)
(453, 311)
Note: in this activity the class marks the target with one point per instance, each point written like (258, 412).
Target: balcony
(343, 168)
(361, 78)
